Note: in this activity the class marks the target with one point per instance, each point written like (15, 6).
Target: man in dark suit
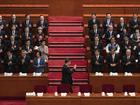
(67, 73)
(2, 32)
(27, 22)
(43, 23)
(121, 26)
(14, 31)
(128, 61)
(28, 48)
(107, 22)
(134, 22)
(96, 44)
(126, 44)
(39, 63)
(27, 35)
(93, 21)
(109, 34)
(10, 62)
(13, 44)
(95, 32)
(97, 61)
(112, 61)
(13, 22)
(24, 62)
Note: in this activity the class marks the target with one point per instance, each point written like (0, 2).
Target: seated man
(42, 23)
(96, 44)
(135, 37)
(109, 34)
(134, 22)
(14, 22)
(112, 61)
(126, 44)
(97, 61)
(95, 32)
(28, 48)
(93, 21)
(10, 62)
(24, 62)
(27, 35)
(27, 22)
(113, 45)
(128, 61)
(107, 22)
(121, 26)
(39, 63)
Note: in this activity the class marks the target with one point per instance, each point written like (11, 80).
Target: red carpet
(66, 29)
(12, 102)
(70, 40)
(66, 40)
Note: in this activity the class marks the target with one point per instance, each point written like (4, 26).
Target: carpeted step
(67, 45)
(68, 29)
(66, 34)
(59, 69)
(66, 40)
(77, 76)
(59, 63)
(65, 24)
(67, 51)
(62, 57)
(65, 19)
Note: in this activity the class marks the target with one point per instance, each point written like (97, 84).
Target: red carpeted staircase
(66, 40)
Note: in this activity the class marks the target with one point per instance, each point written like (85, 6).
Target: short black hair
(67, 60)
(93, 13)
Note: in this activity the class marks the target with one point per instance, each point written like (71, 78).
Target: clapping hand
(75, 66)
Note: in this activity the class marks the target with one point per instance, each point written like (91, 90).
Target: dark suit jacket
(120, 27)
(108, 35)
(66, 75)
(11, 23)
(11, 67)
(105, 24)
(110, 61)
(2, 33)
(92, 33)
(44, 25)
(100, 60)
(24, 25)
(125, 46)
(23, 67)
(132, 25)
(94, 47)
(91, 23)
(130, 67)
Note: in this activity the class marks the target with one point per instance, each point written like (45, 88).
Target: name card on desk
(109, 94)
(133, 94)
(98, 74)
(22, 74)
(8, 74)
(86, 94)
(128, 74)
(63, 94)
(113, 74)
(39, 94)
(30, 94)
(79, 94)
(37, 74)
